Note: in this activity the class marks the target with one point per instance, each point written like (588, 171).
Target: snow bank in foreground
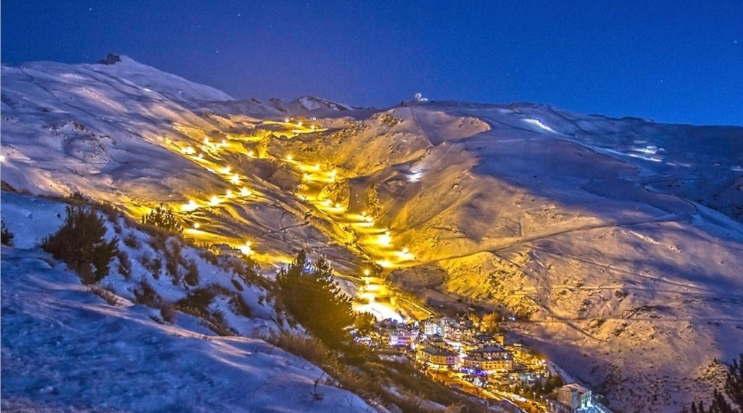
(64, 348)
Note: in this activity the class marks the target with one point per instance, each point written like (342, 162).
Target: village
(474, 356)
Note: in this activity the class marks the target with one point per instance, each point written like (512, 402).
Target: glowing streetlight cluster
(378, 241)
(247, 248)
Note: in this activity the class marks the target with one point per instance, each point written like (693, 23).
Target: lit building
(490, 359)
(432, 327)
(437, 358)
(224, 249)
(575, 397)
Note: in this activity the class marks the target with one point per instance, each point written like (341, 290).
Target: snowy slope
(65, 348)
(620, 239)
(70, 128)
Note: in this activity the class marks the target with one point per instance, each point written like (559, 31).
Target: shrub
(239, 306)
(237, 285)
(219, 325)
(80, 243)
(7, 236)
(167, 313)
(192, 276)
(172, 252)
(78, 198)
(152, 264)
(197, 304)
(308, 348)
(146, 295)
(125, 265)
(198, 301)
(131, 241)
(163, 217)
(209, 257)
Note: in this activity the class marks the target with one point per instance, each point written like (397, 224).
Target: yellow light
(245, 192)
(214, 200)
(190, 206)
(337, 204)
(333, 172)
(384, 239)
(368, 219)
(183, 150)
(190, 150)
(201, 156)
(405, 250)
(235, 179)
(246, 249)
(289, 157)
(224, 142)
(317, 166)
(363, 213)
(250, 154)
(196, 225)
(286, 120)
(384, 264)
(206, 141)
(307, 177)
(367, 272)
(299, 123)
(228, 194)
(327, 202)
(312, 127)
(226, 170)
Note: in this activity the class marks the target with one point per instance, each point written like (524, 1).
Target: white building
(575, 397)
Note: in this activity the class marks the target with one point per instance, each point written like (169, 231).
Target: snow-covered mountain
(620, 240)
(308, 104)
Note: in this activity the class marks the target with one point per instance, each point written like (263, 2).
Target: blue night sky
(670, 60)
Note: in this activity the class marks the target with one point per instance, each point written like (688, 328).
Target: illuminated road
(377, 243)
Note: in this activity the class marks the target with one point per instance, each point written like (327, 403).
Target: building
(400, 338)
(226, 250)
(457, 331)
(437, 358)
(490, 359)
(432, 327)
(575, 397)
(479, 341)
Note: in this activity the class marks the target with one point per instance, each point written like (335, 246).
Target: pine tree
(734, 383)
(7, 236)
(163, 217)
(720, 404)
(730, 400)
(81, 244)
(310, 294)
